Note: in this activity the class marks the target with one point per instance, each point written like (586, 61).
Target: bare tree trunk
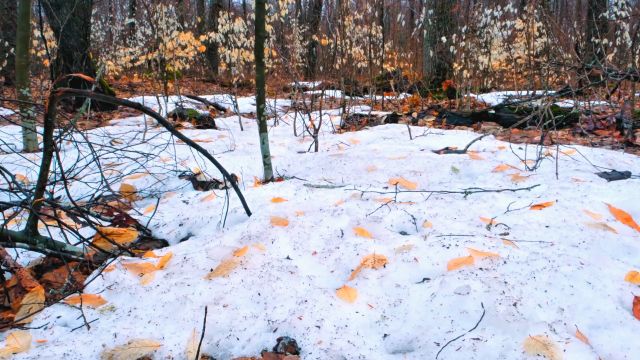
(212, 53)
(314, 15)
(438, 29)
(8, 40)
(597, 28)
(71, 25)
(260, 39)
(23, 86)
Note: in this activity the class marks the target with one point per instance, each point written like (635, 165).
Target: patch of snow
(498, 97)
(6, 112)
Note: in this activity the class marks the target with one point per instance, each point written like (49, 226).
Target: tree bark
(8, 40)
(23, 88)
(436, 58)
(260, 39)
(313, 17)
(71, 25)
(597, 28)
(212, 54)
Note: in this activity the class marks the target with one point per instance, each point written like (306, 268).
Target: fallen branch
(450, 150)
(470, 330)
(465, 192)
(207, 102)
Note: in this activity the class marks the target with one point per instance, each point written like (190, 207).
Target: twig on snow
(204, 328)
(470, 330)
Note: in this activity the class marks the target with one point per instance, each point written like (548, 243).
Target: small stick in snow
(456, 338)
(204, 328)
(449, 150)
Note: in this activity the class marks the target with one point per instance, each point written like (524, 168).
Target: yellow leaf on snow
(542, 205)
(147, 278)
(371, 261)
(149, 209)
(140, 268)
(509, 243)
(633, 277)
(299, 213)
(594, 215)
(542, 345)
(133, 349)
(602, 226)
(402, 182)
(128, 192)
(517, 178)
(347, 294)
(107, 236)
(31, 304)
(279, 221)
(192, 345)
(487, 220)
(278, 199)
(135, 176)
(164, 261)
(569, 152)
(241, 251)
(457, 263)
(580, 336)
(481, 254)
(474, 155)
(384, 200)
(209, 197)
(362, 232)
(427, 224)
(89, 300)
(502, 167)
(223, 269)
(623, 217)
(16, 342)
(150, 254)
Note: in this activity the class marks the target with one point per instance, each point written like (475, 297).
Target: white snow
(498, 97)
(6, 112)
(563, 273)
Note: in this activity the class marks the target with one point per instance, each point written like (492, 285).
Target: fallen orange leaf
(636, 307)
(89, 300)
(347, 294)
(150, 254)
(516, 178)
(164, 260)
(509, 242)
(474, 156)
(339, 202)
(487, 220)
(371, 261)
(602, 226)
(569, 152)
(140, 268)
(223, 269)
(624, 217)
(541, 206)
(402, 182)
(149, 209)
(279, 221)
(278, 200)
(594, 215)
(209, 197)
(481, 254)
(427, 224)
(457, 263)
(362, 232)
(128, 192)
(241, 251)
(501, 167)
(299, 213)
(633, 277)
(580, 336)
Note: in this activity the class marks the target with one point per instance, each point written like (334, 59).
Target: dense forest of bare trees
(479, 45)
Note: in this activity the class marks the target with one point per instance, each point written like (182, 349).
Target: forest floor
(375, 247)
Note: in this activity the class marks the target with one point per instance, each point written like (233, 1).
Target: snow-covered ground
(558, 269)
(6, 112)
